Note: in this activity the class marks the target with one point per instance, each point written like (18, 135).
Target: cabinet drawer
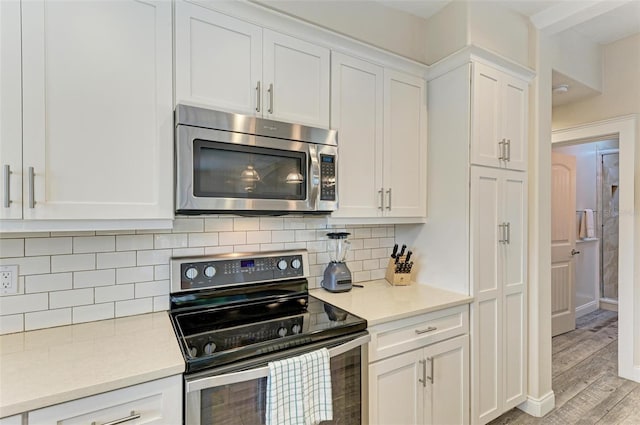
(407, 334)
(155, 402)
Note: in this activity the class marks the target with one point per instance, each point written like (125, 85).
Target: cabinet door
(514, 266)
(486, 133)
(405, 145)
(356, 112)
(486, 278)
(98, 115)
(514, 122)
(395, 394)
(10, 111)
(218, 60)
(447, 389)
(296, 80)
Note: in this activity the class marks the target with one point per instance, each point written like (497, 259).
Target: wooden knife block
(398, 279)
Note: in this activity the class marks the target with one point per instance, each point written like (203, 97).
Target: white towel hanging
(587, 224)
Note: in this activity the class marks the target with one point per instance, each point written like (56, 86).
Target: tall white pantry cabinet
(477, 228)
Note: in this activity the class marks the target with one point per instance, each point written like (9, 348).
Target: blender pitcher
(337, 276)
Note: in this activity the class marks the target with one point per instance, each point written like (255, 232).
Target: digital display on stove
(247, 263)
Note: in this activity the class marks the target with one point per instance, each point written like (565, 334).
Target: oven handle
(262, 372)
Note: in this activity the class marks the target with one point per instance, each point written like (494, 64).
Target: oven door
(239, 397)
(228, 171)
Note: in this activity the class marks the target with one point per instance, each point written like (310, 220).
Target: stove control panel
(207, 272)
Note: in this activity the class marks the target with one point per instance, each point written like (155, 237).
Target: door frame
(625, 129)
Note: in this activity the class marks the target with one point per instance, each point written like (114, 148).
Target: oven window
(244, 403)
(224, 170)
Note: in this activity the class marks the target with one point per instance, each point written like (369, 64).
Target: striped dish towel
(299, 390)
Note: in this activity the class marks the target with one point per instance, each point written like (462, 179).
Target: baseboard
(539, 407)
(586, 308)
(611, 305)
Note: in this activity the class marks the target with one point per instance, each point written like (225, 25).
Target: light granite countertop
(50, 366)
(379, 301)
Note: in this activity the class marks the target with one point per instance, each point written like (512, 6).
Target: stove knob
(282, 264)
(296, 328)
(209, 271)
(296, 263)
(282, 331)
(193, 351)
(209, 348)
(191, 273)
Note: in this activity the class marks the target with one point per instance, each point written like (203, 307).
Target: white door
(486, 132)
(296, 80)
(218, 60)
(514, 279)
(405, 145)
(514, 118)
(395, 394)
(447, 388)
(356, 112)
(486, 281)
(563, 242)
(98, 113)
(10, 111)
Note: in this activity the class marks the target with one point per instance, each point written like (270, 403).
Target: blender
(337, 277)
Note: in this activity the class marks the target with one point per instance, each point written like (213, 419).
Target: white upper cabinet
(380, 115)
(499, 119)
(232, 65)
(97, 111)
(10, 111)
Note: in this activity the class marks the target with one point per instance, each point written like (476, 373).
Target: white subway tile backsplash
(134, 242)
(94, 278)
(135, 274)
(86, 244)
(112, 260)
(47, 319)
(24, 235)
(72, 263)
(48, 282)
(23, 303)
(71, 298)
(172, 240)
(131, 307)
(47, 246)
(106, 294)
(76, 277)
(203, 239)
(90, 313)
(11, 324)
(152, 289)
(11, 248)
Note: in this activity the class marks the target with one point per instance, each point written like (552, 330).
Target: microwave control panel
(327, 177)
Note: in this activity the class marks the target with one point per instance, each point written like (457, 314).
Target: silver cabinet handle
(270, 91)
(508, 150)
(381, 193)
(424, 331)
(258, 94)
(507, 239)
(430, 377)
(503, 238)
(32, 199)
(131, 417)
(423, 381)
(6, 175)
(502, 150)
(389, 204)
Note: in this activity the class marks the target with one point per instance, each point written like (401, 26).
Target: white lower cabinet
(155, 402)
(425, 385)
(11, 420)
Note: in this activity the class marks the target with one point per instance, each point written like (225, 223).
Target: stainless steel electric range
(234, 313)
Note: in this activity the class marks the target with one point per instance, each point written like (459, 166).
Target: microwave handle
(262, 372)
(314, 177)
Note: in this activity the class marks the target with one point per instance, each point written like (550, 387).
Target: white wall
(579, 58)
(447, 31)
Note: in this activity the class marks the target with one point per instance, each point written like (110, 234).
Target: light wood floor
(585, 381)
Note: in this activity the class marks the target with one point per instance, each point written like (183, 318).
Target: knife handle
(406, 260)
(395, 251)
(402, 250)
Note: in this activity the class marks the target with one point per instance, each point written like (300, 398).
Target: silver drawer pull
(424, 331)
(131, 417)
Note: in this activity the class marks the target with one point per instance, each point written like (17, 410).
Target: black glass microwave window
(224, 170)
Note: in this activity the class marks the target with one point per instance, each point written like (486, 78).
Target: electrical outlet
(8, 280)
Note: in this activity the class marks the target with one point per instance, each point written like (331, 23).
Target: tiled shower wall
(75, 277)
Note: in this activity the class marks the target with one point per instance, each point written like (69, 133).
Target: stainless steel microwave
(230, 163)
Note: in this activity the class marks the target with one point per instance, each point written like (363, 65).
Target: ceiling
(601, 21)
